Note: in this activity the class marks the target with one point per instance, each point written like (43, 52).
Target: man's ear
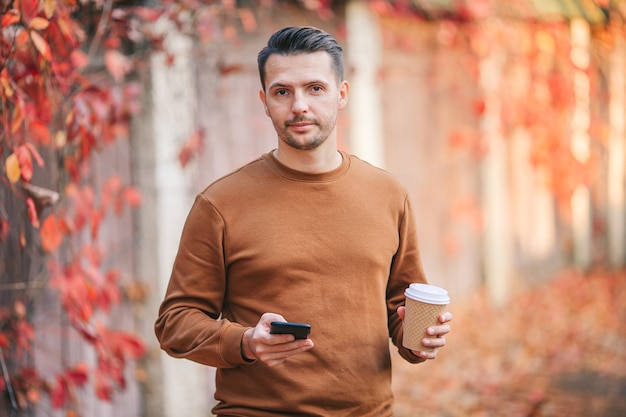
(262, 97)
(344, 89)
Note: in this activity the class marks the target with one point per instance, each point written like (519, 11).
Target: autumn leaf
(25, 162)
(59, 393)
(79, 59)
(248, 20)
(132, 196)
(193, 146)
(39, 132)
(51, 234)
(10, 18)
(32, 212)
(148, 14)
(30, 8)
(41, 45)
(117, 64)
(77, 375)
(5, 228)
(39, 23)
(130, 345)
(12, 168)
(49, 7)
(103, 386)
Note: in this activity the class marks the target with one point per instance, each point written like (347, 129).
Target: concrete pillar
(580, 141)
(617, 154)
(497, 241)
(362, 70)
(175, 387)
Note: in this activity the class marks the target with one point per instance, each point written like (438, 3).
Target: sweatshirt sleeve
(406, 268)
(188, 324)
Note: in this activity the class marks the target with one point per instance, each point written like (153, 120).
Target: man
(305, 233)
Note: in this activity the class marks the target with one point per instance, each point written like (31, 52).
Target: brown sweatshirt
(335, 250)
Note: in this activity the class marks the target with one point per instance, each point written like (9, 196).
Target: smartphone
(299, 330)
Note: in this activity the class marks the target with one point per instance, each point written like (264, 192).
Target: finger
(401, 311)
(272, 357)
(438, 331)
(435, 342)
(445, 317)
(427, 354)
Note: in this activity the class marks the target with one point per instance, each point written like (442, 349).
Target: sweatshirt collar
(292, 174)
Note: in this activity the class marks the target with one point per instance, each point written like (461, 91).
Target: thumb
(401, 311)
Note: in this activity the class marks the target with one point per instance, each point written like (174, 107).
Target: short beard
(291, 141)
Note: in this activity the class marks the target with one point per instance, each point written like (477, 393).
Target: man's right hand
(271, 349)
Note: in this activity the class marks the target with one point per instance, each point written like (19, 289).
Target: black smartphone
(299, 330)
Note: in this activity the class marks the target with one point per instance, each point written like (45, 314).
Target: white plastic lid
(427, 293)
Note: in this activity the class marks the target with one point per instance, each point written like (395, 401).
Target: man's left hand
(436, 335)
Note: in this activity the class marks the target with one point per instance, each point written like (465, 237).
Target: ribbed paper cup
(424, 304)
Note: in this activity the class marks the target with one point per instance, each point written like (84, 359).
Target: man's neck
(314, 161)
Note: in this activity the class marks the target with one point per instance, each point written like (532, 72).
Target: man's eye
(281, 92)
(317, 88)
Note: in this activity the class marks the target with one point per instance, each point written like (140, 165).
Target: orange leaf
(51, 234)
(11, 17)
(40, 134)
(41, 45)
(39, 23)
(48, 7)
(247, 19)
(12, 168)
(17, 119)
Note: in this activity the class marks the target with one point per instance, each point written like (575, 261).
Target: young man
(305, 233)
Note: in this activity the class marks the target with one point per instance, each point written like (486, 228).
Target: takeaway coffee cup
(424, 304)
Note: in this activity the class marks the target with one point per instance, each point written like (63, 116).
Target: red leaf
(130, 345)
(78, 374)
(5, 228)
(24, 335)
(35, 153)
(51, 234)
(58, 394)
(4, 341)
(25, 162)
(117, 64)
(147, 13)
(96, 219)
(32, 212)
(79, 59)
(30, 8)
(192, 146)
(113, 184)
(40, 134)
(104, 388)
(132, 196)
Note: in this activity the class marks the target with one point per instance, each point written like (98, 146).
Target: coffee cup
(424, 304)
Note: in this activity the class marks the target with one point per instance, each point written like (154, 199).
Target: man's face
(303, 97)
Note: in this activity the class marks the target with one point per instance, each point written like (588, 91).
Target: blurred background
(505, 119)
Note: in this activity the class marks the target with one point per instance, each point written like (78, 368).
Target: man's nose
(300, 104)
